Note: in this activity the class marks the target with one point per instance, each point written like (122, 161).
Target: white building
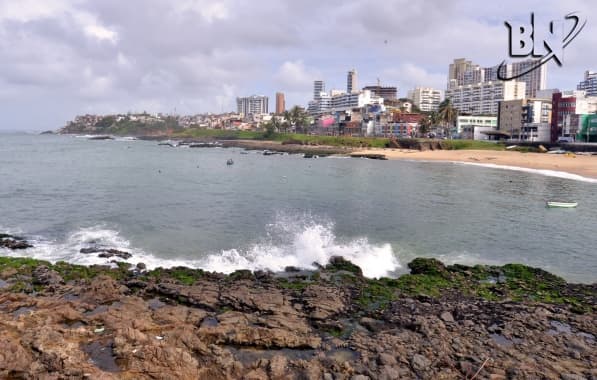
(426, 98)
(482, 98)
(589, 84)
(462, 73)
(252, 105)
(471, 127)
(344, 102)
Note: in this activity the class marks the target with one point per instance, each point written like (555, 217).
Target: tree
(447, 115)
(424, 125)
(297, 118)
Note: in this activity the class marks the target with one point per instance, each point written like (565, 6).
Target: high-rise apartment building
(589, 85)
(318, 88)
(280, 103)
(462, 73)
(252, 105)
(351, 82)
(483, 98)
(426, 98)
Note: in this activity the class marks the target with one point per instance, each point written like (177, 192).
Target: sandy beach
(585, 166)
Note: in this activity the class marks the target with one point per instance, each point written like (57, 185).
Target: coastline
(438, 321)
(581, 165)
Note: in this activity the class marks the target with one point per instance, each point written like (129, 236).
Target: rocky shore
(438, 322)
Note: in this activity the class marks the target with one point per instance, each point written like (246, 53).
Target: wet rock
(115, 253)
(141, 266)
(427, 266)
(13, 242)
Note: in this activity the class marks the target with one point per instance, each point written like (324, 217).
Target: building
(351, 81)
(426, 98)
(483, 98)
(280, 103)
(525, 119)
(567, 109)
(252, 105)
(343, 102)
(462, 73)
(589, 85)
(472, 127)
(318, 88)
(402, 125)
(386, 92)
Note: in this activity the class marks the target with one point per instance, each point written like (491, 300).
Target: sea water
(184, 206)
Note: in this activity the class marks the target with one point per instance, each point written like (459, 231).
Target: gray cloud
(64, 57)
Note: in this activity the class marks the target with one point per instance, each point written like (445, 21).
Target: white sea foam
(288, 243)
(302, 246)
(545, 172)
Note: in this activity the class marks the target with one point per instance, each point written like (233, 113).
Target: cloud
(409, 76)
(71, 56)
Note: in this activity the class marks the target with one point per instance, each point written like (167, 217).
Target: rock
(420, 363)
(427, 266)
(447, 317)
(13, 242)
(42, 275)
(114, 252)
(338, 263)
(90, 250)
(141, 266)
(571, 376)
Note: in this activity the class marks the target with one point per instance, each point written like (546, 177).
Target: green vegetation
(428, 277)
(471, 145)
(185, 276)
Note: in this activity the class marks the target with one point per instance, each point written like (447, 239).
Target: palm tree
(447, 115)
(298, 118)
(424, 125)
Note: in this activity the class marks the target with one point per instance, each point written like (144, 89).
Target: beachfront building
(473, 127)
(525, 119)
(402, 125)
(483, 98)
(589, 84)
(252, 105)
(567, 109)
(426, 98)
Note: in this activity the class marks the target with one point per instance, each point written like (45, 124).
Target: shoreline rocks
(439, 322)
(13, 242)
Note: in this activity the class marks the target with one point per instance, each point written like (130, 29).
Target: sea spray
(289, 241)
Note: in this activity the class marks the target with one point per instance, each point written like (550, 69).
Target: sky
(61, 58)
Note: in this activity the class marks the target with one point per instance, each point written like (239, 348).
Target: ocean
(185, 206)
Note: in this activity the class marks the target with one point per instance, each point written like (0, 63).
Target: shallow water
(179, 206)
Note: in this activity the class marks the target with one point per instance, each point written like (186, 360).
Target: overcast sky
(60, 58)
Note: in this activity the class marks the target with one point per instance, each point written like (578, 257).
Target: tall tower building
(318, 88)
(280, 103)
(351, 82)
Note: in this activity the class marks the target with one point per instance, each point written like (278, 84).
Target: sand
(582, 165)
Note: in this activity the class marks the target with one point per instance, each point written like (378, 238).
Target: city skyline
(63, 57)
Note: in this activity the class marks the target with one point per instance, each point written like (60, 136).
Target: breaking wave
(288, 242)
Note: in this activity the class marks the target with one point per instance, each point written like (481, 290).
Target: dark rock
(114, 252)
(13, 242)
(91, 250)
(432, 267)
(141, 266)
(291, 269)
(338, 263)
